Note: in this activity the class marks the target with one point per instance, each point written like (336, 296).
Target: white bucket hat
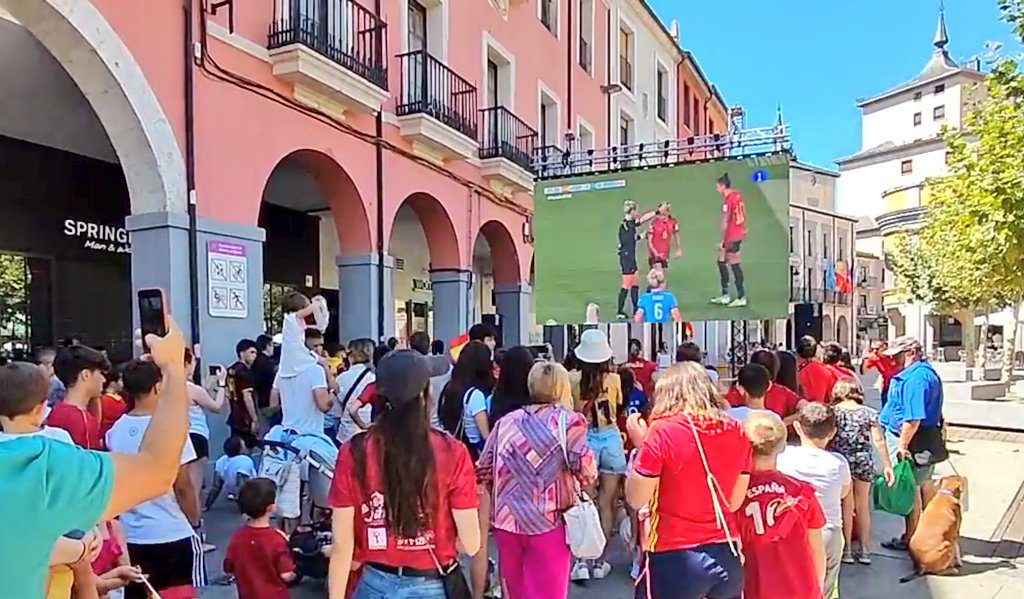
(593, 347)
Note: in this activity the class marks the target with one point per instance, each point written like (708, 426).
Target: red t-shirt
(885, 366)
(368, 395)
(374, 543)
(774, 520)
(643, 371)
(735, 218)
(113, 408)
(682, 513)
(258, 557)
(660, 235)
(842, 372)
(778, 399)
(816, 379)
(79, 423)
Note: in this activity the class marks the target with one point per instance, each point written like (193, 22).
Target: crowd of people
(759, 488)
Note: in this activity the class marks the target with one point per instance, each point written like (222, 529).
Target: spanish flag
(456, 344)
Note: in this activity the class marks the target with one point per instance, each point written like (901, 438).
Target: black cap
(402, 375)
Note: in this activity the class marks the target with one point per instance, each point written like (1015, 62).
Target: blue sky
(818, 61)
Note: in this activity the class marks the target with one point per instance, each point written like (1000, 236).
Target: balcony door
(418, 86)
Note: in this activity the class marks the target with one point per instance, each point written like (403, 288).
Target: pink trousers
(534, 566)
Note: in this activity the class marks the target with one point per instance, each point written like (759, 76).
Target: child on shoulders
(294, 354)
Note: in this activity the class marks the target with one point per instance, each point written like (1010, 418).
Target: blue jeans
(710, 571)
(375, 584)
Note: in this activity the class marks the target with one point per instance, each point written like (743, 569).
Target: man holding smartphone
(48, 487)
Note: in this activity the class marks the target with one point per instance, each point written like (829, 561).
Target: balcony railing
(504, 135)
(341, 30)
(430, 87)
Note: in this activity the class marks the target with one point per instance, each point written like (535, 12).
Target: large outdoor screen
(688, 242)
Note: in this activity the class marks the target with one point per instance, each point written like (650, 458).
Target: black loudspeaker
(806, 321)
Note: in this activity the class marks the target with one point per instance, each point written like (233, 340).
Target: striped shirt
(523, 465)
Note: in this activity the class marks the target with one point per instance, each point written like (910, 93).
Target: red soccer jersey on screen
(735, 218)
(643, 371)
(660, 236)
(774, 520)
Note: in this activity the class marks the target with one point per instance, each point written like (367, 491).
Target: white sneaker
(740, 302)
(722, 300)
(580, 571)
(601, 569)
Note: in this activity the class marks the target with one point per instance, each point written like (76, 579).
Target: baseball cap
(402, 375)
(902, 344)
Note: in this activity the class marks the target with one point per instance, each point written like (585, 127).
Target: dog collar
(948, 493)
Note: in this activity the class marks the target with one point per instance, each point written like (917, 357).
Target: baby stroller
(284, 463)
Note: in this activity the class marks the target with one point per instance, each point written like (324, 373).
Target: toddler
(231, 470)
(294, 354)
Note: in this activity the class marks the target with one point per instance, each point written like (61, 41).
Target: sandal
(864, 559)
(895, 544)
(848, 558)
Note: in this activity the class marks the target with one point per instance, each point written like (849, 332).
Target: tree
(969, 254)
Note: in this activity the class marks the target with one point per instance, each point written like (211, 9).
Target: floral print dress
(853, 440)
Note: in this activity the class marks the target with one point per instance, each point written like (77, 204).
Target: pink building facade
(363, 117)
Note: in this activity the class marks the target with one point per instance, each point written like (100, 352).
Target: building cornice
(878, 154)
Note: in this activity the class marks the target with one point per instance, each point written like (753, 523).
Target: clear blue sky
(818, 61)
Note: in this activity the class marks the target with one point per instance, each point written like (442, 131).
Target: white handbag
(583, 531)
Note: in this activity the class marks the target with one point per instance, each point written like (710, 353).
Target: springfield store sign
(104, 238)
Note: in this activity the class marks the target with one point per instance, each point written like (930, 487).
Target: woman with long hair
(533, 481)
(404, 495)
(464, 413)
(787, 376)
(466, 400)
(691, 472)
(199, 404)
(511, 391)
(597, 394)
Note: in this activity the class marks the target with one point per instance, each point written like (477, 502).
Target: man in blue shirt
(657, 305)
(914, 405)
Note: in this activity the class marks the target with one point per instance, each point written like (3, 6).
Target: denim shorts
(374, 584)
(710, 571)
(610, 455)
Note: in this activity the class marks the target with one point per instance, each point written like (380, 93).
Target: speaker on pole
(806, 321)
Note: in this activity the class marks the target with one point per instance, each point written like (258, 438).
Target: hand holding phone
(152, 315)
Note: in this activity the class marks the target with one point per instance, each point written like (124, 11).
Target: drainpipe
(608, 78)
(379, 160)
(190, 181)
(568, 73)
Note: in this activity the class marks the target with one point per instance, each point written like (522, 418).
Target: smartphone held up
(152, 314)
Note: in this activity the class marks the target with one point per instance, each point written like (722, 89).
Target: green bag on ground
(899, 498)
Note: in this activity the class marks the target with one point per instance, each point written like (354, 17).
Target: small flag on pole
(456, 344)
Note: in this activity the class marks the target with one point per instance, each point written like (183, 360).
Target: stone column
(359, 298)
(513, 305)
(453, 302)
(160, 258)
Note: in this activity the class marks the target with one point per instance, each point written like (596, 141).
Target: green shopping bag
(899, 498)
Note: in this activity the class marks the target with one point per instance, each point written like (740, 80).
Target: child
(231, 470)
(80, 369)
(258, 555)
(753, 382)
(828, 472)
(294, 353)
(780, 522)
(112, 405)
(857, 430)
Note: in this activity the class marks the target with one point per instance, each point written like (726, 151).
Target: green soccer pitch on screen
(687, 242)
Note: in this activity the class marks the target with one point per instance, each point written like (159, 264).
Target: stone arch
(341, 195)
(438, 229)
(87, 47)
(827, 330)
(843, 332)
(504, 255)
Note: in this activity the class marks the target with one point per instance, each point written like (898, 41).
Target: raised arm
(149, 473)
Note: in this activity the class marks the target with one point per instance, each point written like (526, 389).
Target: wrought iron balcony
(430, 87)
(504, 135)
(342, 31)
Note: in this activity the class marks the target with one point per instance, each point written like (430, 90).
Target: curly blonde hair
(686, 388)
(548, 383)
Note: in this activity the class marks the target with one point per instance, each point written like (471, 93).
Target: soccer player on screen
(657, 305)
(663, 231)
(627, 253)
(734, 231)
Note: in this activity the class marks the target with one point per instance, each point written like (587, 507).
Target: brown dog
(935, 546)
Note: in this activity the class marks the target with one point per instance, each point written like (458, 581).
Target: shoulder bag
(454, 581)
(928, 446)
(583, 532)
